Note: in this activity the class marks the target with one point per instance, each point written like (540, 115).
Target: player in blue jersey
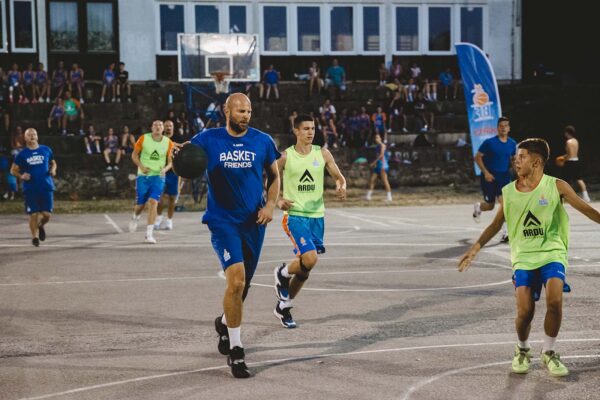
(495, 158)
(35, 165)
(237, 213)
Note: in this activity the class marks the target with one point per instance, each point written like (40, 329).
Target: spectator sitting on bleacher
(123, 83)
(329, 131)
(336, 77)
(13, 78)
(314, 78)
(353, 130)
(396, 71)
(383, 74)
(396, 113)
(379, 118)
(41, 86)
(92, 140)
(327, 109)
(271, 79)
(396, 90)
(73, 113)
(76, 81)
(56, 115)
(4, 114)
(319, 139)
(111, 146)
(59, 79)
(446, 82)
(183, 126)
(127, 141)
(415, 72)
(410, 90)
(108, 82)
(424, 117)
(430, 89)
(342, 127)
(28, 84)
(364, 124)
(422, 141)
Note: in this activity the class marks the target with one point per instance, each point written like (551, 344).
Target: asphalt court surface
(94, 313)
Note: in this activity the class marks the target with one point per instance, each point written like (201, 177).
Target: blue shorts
(305, 233)
(492, 190)
(535, 278)
(235, 243)
(379, 166)
(171, 184)
(149, 187)
(38, 201)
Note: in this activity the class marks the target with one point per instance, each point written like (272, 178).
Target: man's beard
(236, 127)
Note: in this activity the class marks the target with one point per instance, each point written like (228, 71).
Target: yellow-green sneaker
(521, 360)
(551, 360)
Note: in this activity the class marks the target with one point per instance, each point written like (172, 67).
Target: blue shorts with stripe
(305, 233)
(149, 187)
(38, 201)
(171, 184)
(238, 243)
(536, 278)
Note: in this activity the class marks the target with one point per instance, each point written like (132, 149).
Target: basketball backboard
(201, 55)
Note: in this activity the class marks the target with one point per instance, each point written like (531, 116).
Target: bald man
(237, 213)
(35, 166)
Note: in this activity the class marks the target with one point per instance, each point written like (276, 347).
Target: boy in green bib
(302, 167)
(538, 230)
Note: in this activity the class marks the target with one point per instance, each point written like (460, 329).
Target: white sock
(478, 207)
(524, 344)
(149, 230)
(234, 337)
(389, 195)
(285, 272)
(135, 217)
(224, 320)
(285, 304)
(503, 228)
(585, 195)
(369, 193)
(170, 220)
(549, 343)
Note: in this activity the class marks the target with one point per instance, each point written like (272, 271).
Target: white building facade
(143, 33)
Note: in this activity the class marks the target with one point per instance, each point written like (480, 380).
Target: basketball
(190, 161)
(560, 161)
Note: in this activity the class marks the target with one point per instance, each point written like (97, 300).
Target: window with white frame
(371, 31)
(237, 19)
(207, 18)
(407, 28)
(440, 20)
(342, 28)
(471, 25)
(309, 28)
(22, 13)
(2, 27)
(100, 29)
(171, 23)
(275, 28)
(64, 26)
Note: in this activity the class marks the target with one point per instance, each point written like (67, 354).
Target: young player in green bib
(302, 167)
(538, 230)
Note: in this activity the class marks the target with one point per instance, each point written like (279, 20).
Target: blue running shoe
(284, 316)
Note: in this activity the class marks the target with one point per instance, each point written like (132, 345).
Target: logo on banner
(482, 106)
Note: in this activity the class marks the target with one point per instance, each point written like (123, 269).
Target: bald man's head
(31, 136)
(238, 110)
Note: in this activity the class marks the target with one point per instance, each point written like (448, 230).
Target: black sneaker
(282, 284)
(42, 233)
(236, 361)
(35, 242)
(221, 329)
(285, 316)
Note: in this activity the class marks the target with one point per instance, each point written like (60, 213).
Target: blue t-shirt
(37, 164)
(336, 74)
(272, 77)
(497, 154)
(235, 173)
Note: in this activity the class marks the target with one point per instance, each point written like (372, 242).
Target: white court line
(110, 221)
(169, 245)
(346, 215)
(282, 360)
(434, 378)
